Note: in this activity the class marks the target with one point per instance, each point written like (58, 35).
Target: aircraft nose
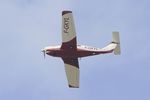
(45, 51)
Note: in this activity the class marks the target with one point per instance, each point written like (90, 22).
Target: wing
(72, 72)
(68, 31)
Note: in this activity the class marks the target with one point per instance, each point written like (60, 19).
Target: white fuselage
(81, 51)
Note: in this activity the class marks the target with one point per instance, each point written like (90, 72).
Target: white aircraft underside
(70, 51)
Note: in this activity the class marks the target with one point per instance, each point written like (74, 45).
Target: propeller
(44, 52)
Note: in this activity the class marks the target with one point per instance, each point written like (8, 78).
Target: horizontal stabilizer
(116, 39)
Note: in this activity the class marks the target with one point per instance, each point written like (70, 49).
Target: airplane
(70, 51)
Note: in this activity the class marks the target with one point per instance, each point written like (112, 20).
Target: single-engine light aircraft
(69, 51)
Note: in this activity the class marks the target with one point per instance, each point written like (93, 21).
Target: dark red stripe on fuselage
(75, 53)
(85, 53)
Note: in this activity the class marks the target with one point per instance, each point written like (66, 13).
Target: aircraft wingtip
(70, 86)
(66, 12)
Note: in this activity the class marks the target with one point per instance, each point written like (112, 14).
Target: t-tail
(116, 39)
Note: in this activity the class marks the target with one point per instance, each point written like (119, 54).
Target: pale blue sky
(26, 26)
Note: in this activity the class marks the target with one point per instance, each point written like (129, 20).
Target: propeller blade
(44, 54)
(44, 51)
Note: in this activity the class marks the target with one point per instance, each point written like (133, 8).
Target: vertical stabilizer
(116, 39)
